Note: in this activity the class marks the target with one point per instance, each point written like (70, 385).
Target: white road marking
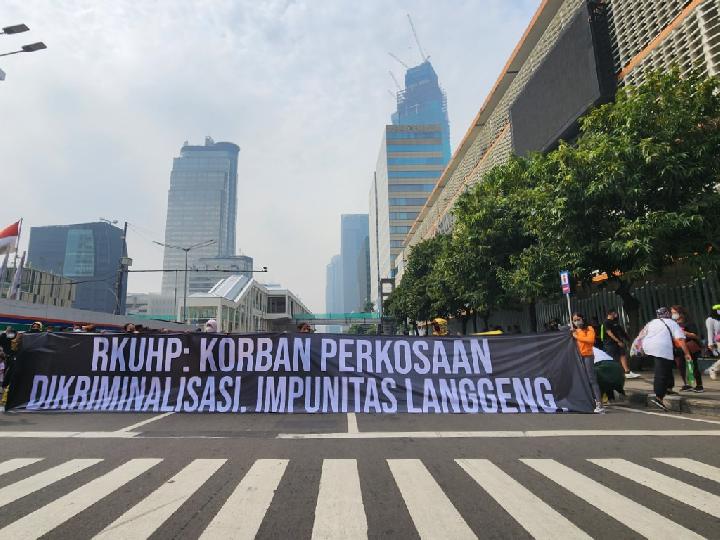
(67, 435)
(352, 423)
(432, 512)
(134, 427)
(15, 464)
(36, 482)
(666, 415)
(243, 512)
(631, 514)
(150, 513)
(339, 511)
(665, 485)
(50, 516)
(694, 467)
(503, 434)
(536, 517)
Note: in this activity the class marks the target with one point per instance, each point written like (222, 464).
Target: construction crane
(417, 40)
(394, 78)
(398, 60)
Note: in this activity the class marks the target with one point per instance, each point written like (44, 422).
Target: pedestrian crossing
(343, 499)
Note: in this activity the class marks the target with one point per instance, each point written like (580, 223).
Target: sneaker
(599, 410)
(713, 374)
(658, 403)
(685, 388)
(631, 375)
(698, 389)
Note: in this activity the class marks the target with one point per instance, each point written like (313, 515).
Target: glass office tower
(354, 261)
(413, 154)
(90, 254)
(202, 205)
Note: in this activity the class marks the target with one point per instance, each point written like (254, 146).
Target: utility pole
(125, 262)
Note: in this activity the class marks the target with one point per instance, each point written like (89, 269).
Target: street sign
(565, 281)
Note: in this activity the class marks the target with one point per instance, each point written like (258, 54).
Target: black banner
(288, 373)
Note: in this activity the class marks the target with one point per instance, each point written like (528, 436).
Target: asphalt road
(344, 476)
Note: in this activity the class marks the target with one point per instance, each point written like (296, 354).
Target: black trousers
(663, 375)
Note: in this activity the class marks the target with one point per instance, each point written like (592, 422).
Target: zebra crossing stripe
(150, 513)
(36, 482)
(432, 512)
(15, 464)
(46, 518)
(665, 485)
(243, 512)
(339, 512)
(694, 467)
(535, 516)
(635, 516)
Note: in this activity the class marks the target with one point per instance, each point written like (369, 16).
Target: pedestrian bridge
(337, 318)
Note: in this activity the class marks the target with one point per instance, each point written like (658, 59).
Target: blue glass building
(90, 254)
(413, 154)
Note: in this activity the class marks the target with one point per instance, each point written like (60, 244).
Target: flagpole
(17, 244)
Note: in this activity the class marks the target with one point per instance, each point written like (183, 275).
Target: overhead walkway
(337, 318)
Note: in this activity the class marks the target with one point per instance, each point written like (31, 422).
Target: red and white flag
(9, 237)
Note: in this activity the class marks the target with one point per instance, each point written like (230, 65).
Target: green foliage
(636, 192)
(362, 329)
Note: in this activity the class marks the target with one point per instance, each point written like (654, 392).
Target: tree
(488, 232)
(637, 191)
(411, 299)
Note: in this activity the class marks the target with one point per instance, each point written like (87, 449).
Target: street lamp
(15, 29)
(186, 250)
(32, 47)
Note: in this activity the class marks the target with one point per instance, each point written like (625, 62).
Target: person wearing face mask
(692, 339)
(661, 336)
(712, 325)
(614, 339)
(585, 337)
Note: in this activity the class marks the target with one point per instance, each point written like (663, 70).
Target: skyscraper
(413, 154)
(202, 206)
(333, 286)
(89, 253)
(354, 261)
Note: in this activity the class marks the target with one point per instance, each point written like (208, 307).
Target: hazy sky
(89, 127)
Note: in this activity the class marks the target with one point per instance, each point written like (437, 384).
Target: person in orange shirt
(585, 337)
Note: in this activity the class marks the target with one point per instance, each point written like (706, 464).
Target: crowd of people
(670, 340)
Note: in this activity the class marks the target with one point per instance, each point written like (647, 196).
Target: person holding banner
(585, 337)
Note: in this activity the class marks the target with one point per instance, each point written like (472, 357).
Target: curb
(681, 404)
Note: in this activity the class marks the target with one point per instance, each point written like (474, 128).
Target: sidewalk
(708, 403)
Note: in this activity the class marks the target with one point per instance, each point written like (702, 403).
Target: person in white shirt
(712, 324)
(658, 345)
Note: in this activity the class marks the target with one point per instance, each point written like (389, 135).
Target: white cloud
(90, 125)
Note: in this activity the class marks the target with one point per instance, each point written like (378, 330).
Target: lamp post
(19, 29)
(124, 263)
(186, 250)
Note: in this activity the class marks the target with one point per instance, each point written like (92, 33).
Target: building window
(403, 215)
(399, 229)
(405, 201)
(416, 161)
(414, 174)
(394, 188)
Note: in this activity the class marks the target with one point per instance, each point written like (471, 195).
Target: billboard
(572, 78)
